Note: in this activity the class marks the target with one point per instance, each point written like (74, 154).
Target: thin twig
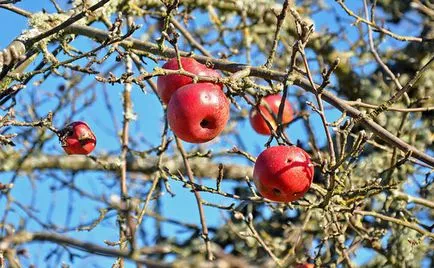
(198, 200)
(380, 29)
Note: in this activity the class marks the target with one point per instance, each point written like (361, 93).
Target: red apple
(77, 138)
(197, 113)
(283, 173)
(305, 265)
(168, 84)
(257, 121)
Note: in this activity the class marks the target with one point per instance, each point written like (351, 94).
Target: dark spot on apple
(204, 123)
(207, 123)
(276, 191)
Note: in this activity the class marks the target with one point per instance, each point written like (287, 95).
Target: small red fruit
(257, 121)
(283, 173)
(197, 113)
(305, 265)
(168, 84)
(77, 138)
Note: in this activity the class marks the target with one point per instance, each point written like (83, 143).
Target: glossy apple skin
(198, 113)
(283, 173)
(257, 121)
(168, 84)
(77, 138)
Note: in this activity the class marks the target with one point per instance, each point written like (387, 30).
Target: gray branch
(203, 167)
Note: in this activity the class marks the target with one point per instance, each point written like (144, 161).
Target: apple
(77, 138)
(283, 173)
(305, 265)
(168, 84)
(198, 113)
(273, 101)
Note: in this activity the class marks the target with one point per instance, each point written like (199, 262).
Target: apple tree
(130, 132)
